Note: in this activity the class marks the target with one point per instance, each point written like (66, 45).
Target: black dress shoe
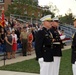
(24, 55)
(4, 59)
(9, 58)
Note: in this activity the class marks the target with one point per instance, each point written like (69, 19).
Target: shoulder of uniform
(40, 31)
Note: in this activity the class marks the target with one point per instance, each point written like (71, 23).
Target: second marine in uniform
(57, 53)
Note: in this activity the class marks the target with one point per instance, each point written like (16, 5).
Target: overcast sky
(62, 5)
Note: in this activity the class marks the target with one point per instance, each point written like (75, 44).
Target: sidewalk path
(66, 47)
(22, 58)
(19, 59)
(15, 73)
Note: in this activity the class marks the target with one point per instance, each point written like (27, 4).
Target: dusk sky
(62, 5)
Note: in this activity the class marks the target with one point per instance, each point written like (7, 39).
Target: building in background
(30, 9)
(4, 3)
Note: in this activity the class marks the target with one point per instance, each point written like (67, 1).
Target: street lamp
(32, 18)
(25, 12)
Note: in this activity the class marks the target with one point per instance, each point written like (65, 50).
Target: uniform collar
(46, 28)
(54, 27)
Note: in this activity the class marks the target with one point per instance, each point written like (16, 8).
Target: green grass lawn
(32, 66)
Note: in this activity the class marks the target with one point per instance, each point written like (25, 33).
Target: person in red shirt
(30, 39)
(14, 46)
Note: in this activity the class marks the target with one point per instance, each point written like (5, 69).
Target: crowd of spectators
(17, 35)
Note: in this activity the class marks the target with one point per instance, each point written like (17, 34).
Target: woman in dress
(9, 42)
(14, 46)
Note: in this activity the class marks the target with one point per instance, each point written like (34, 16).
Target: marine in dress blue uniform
(73, 56)
(57, 53)
(44, 46)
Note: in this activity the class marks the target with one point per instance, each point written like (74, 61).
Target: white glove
(40, 60)
(62, 37)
